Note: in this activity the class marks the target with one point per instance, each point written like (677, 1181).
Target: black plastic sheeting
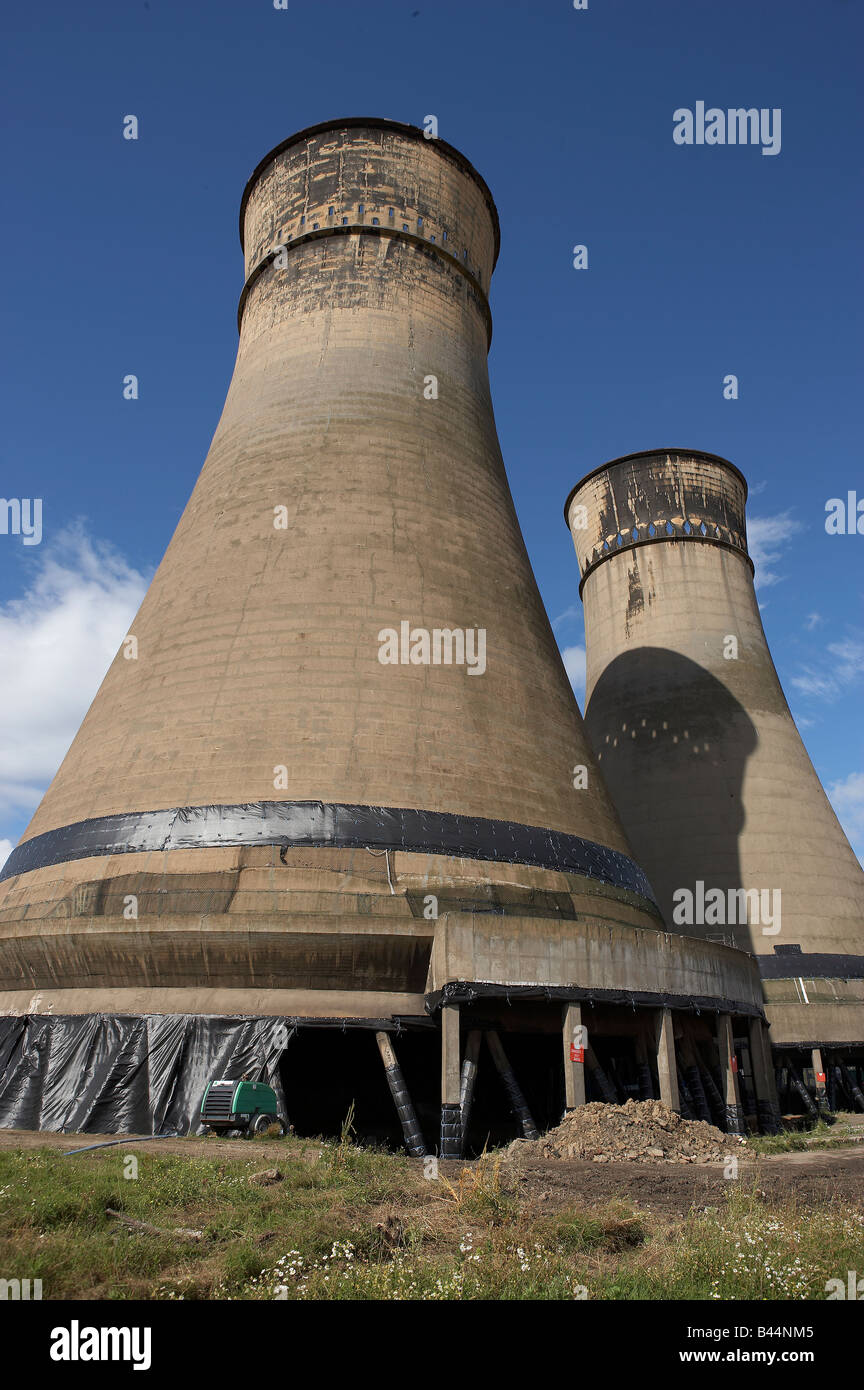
(468, 991)
(811, 965)
(316, 824)
(115, 1074)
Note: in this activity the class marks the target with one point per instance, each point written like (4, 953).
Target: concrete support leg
(414, 1141)
(518, 1103)
(451, 1110)
(469, 1077)
(819, 1077)
(603, 1083)
(729, 1075)
(693, 1080)
(667, 1069)
(575, 1042)
(767, 1104)
(795, 1070)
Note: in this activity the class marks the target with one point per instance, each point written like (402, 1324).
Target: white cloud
(574, 665)
(847, 798)
(766, 538)
(58, 641)
(841, 666)
(573, 613)
(5, 851)
(812, 621)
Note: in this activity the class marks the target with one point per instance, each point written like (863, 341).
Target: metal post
(414, 1141)
(451, 1115)
(469, 1077)
(518, 1102)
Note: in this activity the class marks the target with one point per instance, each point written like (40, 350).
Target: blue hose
(113, 1143)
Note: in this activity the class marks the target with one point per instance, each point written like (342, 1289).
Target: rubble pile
(640, 1131)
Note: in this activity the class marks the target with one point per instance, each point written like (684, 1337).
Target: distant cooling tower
(697, 745)
(330, 783)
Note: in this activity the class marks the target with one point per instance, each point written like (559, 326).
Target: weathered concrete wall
(694, 736)
(258, 647)
(595, 955)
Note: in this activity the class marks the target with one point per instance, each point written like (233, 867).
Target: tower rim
(376, 123)
(649, 453)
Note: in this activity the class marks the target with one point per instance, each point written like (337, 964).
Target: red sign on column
(733, 1062)
(577, 1054)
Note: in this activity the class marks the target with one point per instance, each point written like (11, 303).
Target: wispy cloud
(57, 642)
(767, 537)
(5, 851)
(812, 621)
(571, 614)
(847, 798)
(840, 668)
(574, 665)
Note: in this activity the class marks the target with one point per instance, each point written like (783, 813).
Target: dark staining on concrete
(670, 495)
(636, 596)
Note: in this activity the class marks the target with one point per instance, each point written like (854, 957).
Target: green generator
(240, 1107)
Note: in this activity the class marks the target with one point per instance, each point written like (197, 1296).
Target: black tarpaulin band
(811, 965)
(316, 824)
(470, 991)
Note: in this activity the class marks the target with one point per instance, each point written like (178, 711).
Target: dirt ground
(668, 1188)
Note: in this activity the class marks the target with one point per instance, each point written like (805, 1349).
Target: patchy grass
(796, 1140)
(350, 1223)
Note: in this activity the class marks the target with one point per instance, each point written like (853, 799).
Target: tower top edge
(373, 123)
(653, 453)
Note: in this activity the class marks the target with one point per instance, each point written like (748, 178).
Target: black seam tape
(318, 824)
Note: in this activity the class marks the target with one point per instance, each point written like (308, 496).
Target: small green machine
(232, 1108)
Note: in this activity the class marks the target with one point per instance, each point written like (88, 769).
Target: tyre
(262, 1123)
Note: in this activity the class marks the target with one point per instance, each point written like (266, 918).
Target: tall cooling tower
(697, 745)
(329, 778)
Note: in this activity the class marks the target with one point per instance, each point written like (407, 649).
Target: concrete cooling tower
(702, 758)
(334, 798)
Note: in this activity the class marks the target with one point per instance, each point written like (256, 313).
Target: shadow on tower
(675, 768)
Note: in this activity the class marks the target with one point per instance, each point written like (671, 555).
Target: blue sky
(123, 257)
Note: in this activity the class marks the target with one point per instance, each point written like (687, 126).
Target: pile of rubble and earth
(640, 1131)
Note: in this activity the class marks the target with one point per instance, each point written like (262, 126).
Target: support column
(451, 1122)
(469, 1076)
(575, 1041)
(414, 1141)
(796, 1084)
(819, 1078)
(729, 1075)
(667, 1067)
(518, 1102)
(693, 1080)
(767, 1104)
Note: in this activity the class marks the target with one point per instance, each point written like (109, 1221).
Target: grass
(821, 1136)
(351, 1223)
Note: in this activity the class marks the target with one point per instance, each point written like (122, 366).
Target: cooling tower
(696, 743)
(331, 778)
